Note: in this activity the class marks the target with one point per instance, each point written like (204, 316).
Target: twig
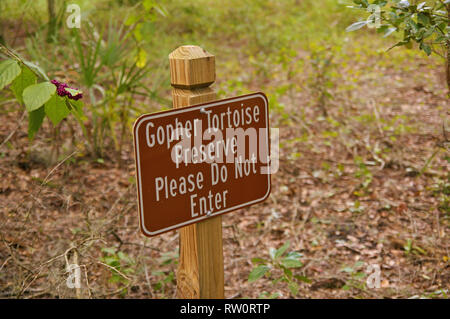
(114, 269)
(56, 167)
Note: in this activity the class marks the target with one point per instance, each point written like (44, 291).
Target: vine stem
(16, 57)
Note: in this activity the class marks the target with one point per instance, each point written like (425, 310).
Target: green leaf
(280, 251)
(35, 119)
(405, 42)
(426, 48)
(77, 105)
(56, 109)
(37, 95)
(292, 262)
(303, 278)
(346, 287)
(148, 4)
(112, 261)
(74, 92)
(259, 261)
(24, 80)
(287, 273)
(141, 59)
(423, 18)
(37, 69)
(355, 26)
(109, 250)
(132, 19)
(9, 70)
(125, 257)
(258, 272)
(360, 275)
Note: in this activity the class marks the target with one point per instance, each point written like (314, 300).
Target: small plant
(279, 267)
(120, 265)
(356, 279)
(411, 249)
(321, 80)
(165, 278)
(441, 190)
(45, 98)
(364, 174)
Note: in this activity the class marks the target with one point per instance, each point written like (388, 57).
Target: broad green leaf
(37, 69)
(56, 109)
(35, 119)
(355, 26)
(258, 272)
(37, 95)
(9, 70)
(291, 262)
(24, 80)
(280, 251)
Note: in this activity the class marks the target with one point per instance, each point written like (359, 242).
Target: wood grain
(191, 67)
(200, 270)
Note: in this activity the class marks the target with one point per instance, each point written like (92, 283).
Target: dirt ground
(338, 202)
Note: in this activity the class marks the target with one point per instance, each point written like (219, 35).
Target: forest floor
(363, 180)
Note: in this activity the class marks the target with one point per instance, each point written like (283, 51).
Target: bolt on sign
(200, 161)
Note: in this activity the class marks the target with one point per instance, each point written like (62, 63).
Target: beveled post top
(191, 67)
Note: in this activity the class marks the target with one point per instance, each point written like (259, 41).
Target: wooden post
(200, 269)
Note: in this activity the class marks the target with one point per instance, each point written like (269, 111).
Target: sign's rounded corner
(138, 121)
(146, 232)
(264, 97)
(269, 190)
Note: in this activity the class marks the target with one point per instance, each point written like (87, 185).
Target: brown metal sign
(201, 161)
